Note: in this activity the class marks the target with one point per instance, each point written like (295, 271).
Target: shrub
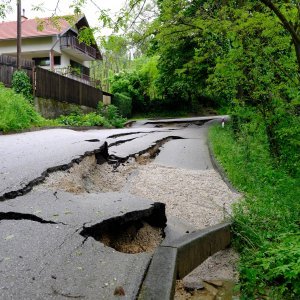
(107, 116)
(15, 112)
(21, 84)
(75, 119)
(111, 113)
(124, 103)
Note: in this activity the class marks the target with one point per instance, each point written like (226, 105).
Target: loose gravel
(200, 197)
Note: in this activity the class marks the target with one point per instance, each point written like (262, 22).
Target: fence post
(33, 81)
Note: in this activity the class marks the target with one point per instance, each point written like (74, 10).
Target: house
(55, 47)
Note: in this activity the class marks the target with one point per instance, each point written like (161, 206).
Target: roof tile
(8, 30)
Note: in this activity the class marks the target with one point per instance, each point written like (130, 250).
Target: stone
(193, 285)
(119, 291)
(210, 288)
(216, 283)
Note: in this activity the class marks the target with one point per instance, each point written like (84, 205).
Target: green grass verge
(266, 221)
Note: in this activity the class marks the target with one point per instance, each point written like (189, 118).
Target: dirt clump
(133, 239)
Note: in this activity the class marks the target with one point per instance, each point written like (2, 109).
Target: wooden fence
(8, 65)
(50, 85)
(12, 61)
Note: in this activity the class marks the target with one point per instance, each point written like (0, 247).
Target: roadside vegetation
(17, 111)
(106, 116)
(266, 221)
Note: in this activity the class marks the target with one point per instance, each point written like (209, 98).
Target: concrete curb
(176, 259)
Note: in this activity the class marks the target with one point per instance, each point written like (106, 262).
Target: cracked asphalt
(42, 254)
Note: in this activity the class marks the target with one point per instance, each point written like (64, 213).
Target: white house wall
(28, 45)
(40, 47)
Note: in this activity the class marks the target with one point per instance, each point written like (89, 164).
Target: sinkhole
(134, 232)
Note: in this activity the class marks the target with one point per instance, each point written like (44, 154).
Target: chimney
(23, 18)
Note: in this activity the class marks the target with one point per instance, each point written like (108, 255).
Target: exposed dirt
(217, 275)
(201, 198)
(89, 177)
(134, 240)
(213, 290)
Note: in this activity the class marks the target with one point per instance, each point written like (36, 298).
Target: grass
(16, 113)
(267, 220)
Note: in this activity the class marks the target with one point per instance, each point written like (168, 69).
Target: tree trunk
(297, 49)
(272, 139)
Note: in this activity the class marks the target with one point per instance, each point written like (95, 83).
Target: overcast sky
(90, 10)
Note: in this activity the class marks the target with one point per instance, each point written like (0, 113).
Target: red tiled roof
(8, 30)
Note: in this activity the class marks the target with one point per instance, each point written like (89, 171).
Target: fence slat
(51, 85)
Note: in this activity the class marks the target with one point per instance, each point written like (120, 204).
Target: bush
(75, 119)
(266, 221)
(21, 84)
(111, 113)
(124, 103)
(106, 116)
(15, 112)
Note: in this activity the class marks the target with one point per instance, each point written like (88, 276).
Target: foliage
(106, 116)
(266, 221)
(131, 84)
(124, 104)
(22, 85)
(111, 113)
(116, 57)
(16, 113)
(75, 119)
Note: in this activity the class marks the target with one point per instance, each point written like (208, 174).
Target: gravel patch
(199, 197)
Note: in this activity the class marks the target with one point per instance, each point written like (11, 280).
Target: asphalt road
(42, 253)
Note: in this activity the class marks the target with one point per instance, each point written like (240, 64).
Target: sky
(90, 10)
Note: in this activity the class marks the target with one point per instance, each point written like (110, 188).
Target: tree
(293, 27)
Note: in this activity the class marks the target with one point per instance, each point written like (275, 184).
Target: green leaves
(16, 112)
(266, 221)
(107, 116)
(22, 85)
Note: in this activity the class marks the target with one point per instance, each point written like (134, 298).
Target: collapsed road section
(92, 225)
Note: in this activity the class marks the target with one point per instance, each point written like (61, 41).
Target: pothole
(134, 232)
(137, 238)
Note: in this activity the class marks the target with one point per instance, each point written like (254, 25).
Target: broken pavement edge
(176, 259)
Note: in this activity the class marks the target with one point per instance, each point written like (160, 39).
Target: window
(45, 61)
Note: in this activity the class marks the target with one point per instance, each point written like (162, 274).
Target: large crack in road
(85, 190)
